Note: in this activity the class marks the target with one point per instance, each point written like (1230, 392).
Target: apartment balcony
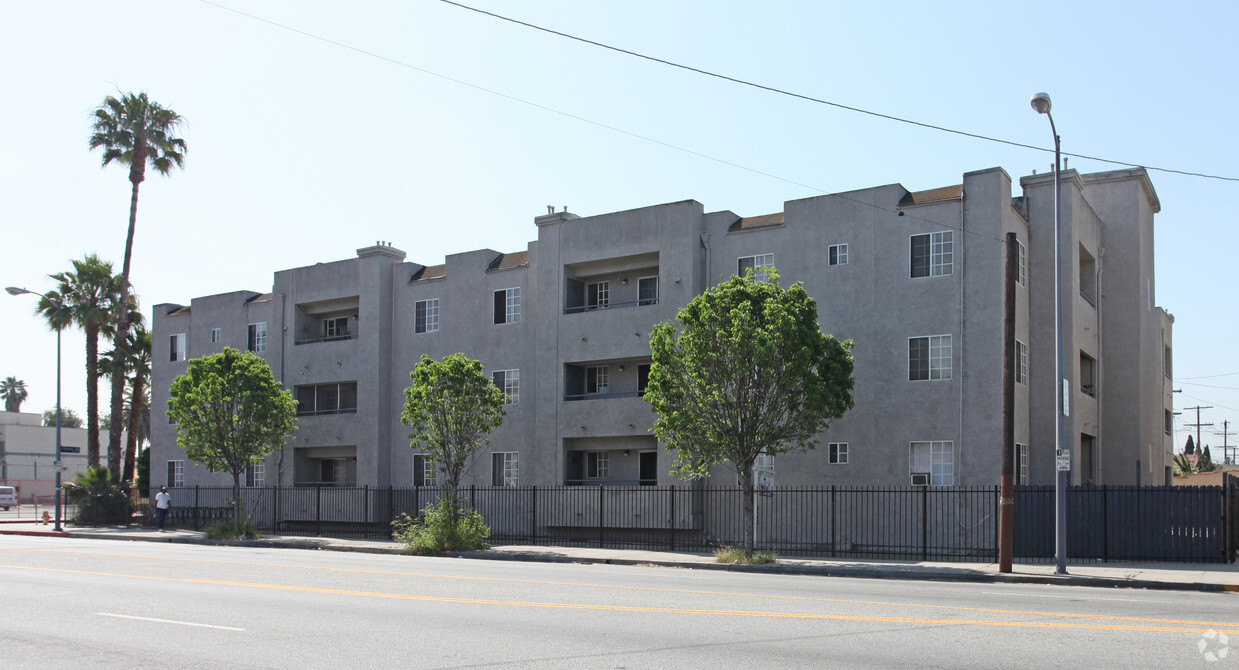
(613, 283)
(608, 380)
(326, 321)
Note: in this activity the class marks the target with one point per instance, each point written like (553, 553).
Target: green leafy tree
(1191, 446)
(136, 132)
(1205, 461)
(451, 407)
(68, 418)
(748, 371)
(99, 497)
(230, 413)
(90, 294)
(14, 392)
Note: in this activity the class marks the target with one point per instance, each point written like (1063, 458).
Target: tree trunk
(236, 500)
(122, 325)
(131, 442)
(750, 520)
(92, 395)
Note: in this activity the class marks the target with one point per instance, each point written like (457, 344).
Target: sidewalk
(1164, 576)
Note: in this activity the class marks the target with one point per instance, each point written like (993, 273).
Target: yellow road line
(626, 608)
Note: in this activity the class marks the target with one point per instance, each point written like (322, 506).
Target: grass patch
(443, 526)
(230, 531)
(736, 555)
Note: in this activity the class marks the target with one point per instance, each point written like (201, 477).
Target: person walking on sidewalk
(162, 502)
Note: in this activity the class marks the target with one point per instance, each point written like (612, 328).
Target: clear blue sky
(302, 151)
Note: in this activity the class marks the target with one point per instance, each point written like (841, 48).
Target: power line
(809, 98)
(1224, 374)
(1210, 386)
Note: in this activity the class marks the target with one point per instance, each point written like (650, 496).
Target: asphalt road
(97, 603)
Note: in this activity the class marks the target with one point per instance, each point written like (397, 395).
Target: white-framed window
(597, 379)
(256, 474)
(509, 381)
(505, 468)
(1021, 363)
(257, 337)
(933, 254)
(936, 458)
(598, 295)
(764, 462)
(929, 357)
(838, 254)
(1021, 464)
(838, 453)
(216, 334)
(176, 347)
(426, 316)
(597, 465)
(176, 474)
(335, 328)
(758, 263)
(1022, 276)
(647, 291)
(425, 471)
(508, 305)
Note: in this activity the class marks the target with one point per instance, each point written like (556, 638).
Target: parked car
(8, 497)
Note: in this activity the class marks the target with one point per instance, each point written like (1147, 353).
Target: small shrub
(99, 497)
(230, 531)
(444, 525)
(736, 555)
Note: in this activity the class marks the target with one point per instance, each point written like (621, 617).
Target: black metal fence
(912, 523)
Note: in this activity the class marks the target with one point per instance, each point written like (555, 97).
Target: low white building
(28, 453)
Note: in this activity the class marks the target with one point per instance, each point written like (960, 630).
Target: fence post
(196, 527)
(391, 506)
(275, 508)
(365, 492)
(601, 513)
(533, 522)
(924, 523)
(1105, 523)
(673, 524)
(318, 511)
(997, 532)
(834, 514)
(473, 497)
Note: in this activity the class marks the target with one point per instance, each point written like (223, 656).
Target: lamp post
(1041, 103)
(60, 308)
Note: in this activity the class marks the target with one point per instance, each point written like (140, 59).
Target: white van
(8, 496)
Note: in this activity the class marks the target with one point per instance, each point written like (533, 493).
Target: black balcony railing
(327, 338)
(604, 396)
(576, 309)
(319, 412)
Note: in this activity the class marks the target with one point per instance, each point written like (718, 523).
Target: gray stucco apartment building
(915, 278)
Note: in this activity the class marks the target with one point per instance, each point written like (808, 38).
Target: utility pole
(1225, 444)
(1198, 424)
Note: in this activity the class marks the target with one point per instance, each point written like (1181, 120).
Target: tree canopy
(13, 391)
(68, 418)
(746, 371)
(230, 413)
(451, 407)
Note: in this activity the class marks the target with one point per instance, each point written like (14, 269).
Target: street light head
(1041, 102)
(13, 290)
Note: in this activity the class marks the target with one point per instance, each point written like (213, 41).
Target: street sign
(70, 450)
(1062, 458)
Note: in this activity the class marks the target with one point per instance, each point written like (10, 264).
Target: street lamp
(60, 308)
(1041, 103)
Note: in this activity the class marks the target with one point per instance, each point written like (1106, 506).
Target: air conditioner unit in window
(920, 479)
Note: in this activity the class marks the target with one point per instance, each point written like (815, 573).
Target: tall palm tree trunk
(131, 442)
(92, 395)
(122, 329)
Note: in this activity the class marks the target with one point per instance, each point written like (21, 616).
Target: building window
(1021, 464)
(1087, 380)
(256, 474)
(929, 357)
(936, 459)
(647, 291)
(335, 329)
(1022, 276)
(333, 398)
(758, 263)
(257, 337)
(505, 468)
(216, 334)
(932, 254)
(508, 305)
(176, 474)
(597, 465)
(838, 254)
(643, 377)
(426, 316)
(425, 472)
(598, 295)
(839, 453)
(1169, 422)
(509, 381)
(176, 347)
(1167, 363)
(1021, 363)
(597, 379)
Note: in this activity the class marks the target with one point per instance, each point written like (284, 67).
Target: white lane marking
(1031, 595)
(179, 623)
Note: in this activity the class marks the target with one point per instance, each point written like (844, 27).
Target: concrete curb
(849, 571)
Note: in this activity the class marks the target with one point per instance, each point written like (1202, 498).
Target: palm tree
(90, 293)
(133, 130)
(13, 390)
(136, 359)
